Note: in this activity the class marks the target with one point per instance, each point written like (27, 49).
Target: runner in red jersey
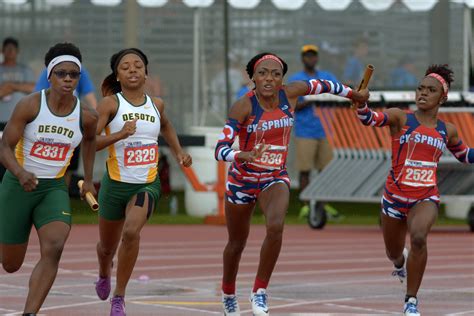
(411, 199)
(263, 120)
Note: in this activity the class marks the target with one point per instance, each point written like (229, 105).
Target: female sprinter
(262, 119)
(411, 198)
(130, 187)
(36, 147)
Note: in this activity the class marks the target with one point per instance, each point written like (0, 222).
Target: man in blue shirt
(85, 92)
(312, 148)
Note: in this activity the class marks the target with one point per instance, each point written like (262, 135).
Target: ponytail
(110, 85)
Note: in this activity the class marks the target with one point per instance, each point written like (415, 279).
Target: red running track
(336, 271)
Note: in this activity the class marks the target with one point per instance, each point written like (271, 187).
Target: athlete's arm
(393, 117)
(89, 127)
(457, 147)
(107, 109)
(318, 86)
(238, 113)
(22, 115)
(169, 134)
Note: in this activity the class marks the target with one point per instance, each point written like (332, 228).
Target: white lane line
(470, 312)
(188, 309)
(356, 308)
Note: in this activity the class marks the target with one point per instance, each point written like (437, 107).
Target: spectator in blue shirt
(312, 148)
(403, 77)
(85, 92)
(355, 67)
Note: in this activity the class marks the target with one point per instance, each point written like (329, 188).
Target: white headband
(60, 59)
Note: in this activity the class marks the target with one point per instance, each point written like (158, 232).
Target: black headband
(126, 52)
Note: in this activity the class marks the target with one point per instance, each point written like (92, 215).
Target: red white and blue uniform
(416, 151)
(246, 180)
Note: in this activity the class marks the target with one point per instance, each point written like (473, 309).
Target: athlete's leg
(12, 256)
(274, 203)
(420, 220)
(394, 234)
(136, 215)
(52, 237)
(109, 232)
(238, 218)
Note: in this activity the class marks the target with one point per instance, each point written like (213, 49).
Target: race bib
(50, 151)
(273, 158)
(141, 155)
(418, 173)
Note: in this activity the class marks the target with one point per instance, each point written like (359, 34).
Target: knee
(392, 256)
(11, 267)
(104, 251)
(418, 241)
(130, 235)
(53, 250)
(236, 246)
(275, 231)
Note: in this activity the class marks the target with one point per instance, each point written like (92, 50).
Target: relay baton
(365, 80)
(89, 197)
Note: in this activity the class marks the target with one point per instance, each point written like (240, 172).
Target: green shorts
(114, 196)
(49, 202)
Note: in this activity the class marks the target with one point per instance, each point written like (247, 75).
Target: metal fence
(167, 34)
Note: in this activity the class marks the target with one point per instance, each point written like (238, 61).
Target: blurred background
(186, 40)
(198, 49)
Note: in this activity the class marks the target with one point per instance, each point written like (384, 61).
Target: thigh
(110, 232)
(323, 154)
(153, 192)
(12, 256)
(55, 206)
(136, 213)
(16, 208)
(394, 232)
(305, 153)
(53, 236)
(422, 216)
(394, 223)
(238, 218)
(240, 191)
(113, 198)
(274, 202)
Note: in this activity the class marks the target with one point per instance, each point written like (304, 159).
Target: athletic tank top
(416, 151)
(48, 142)
(273, 128)
(135, 158)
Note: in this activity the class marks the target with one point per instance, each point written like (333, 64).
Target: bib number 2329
(139, 156)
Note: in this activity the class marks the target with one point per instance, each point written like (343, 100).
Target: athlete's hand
(251, 156)
(361, 97)
(184, 159)
(28, 180)
(129, 128)
(87, 186)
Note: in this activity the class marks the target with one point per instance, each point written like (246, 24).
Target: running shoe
(231, 305)
(117, 306)
(401, 273)
(102, 287)
(259, 303)
(411, 307)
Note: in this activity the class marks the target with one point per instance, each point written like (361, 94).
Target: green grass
(353, 213)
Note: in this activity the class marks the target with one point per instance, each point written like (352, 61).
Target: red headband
(441, 80)
(265, 57)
